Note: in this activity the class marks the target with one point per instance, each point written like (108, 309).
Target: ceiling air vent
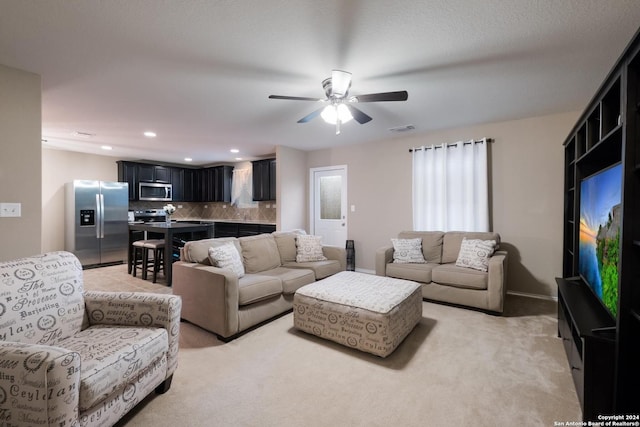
(404, 128)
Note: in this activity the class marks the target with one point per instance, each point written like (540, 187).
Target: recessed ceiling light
(188, 159)
(234, 150)
(238, 158)
(150, 134)
(107, 147)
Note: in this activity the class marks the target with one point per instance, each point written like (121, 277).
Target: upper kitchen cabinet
(128, 172)
(153, 173)
(215, 184)
(264, 180)
(188, 185)
(133, 173)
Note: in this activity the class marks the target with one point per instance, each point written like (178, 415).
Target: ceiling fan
(340, 107)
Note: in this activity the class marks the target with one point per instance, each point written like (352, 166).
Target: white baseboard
(364, 270)
(537, 296)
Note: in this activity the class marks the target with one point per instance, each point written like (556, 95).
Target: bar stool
(141, 249)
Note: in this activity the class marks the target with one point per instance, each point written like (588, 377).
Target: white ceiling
(198, 72)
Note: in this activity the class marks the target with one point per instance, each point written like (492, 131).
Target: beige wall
(526, 190)
(291, 188)
(58, 168)
(20, 161)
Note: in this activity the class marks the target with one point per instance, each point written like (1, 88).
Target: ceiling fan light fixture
(332, 113)
(340, 83)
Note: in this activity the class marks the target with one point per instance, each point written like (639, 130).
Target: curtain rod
(411, 150)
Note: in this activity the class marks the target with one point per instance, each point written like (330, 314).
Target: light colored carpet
(457, 367)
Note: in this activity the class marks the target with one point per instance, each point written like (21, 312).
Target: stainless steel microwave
(155, 191)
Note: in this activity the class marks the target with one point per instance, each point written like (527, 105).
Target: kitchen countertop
(235, 221)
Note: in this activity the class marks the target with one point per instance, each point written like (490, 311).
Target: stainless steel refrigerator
(96, 221)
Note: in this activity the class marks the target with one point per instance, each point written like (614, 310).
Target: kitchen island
(186, 232)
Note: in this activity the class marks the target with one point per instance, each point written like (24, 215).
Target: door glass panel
(330, 197)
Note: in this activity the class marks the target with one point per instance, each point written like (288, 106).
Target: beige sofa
(74, 358)
(441, 279)
(217, 300)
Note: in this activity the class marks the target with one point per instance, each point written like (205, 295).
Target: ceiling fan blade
(311, 116)
(384, 96)
(358, 115)
(340, 83)
(295, 98)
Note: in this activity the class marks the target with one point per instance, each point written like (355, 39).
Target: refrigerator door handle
(102, 216)
(98, 216)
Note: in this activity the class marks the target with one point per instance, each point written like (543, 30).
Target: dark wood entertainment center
(603, 352)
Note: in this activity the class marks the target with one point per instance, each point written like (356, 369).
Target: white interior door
(329, 204)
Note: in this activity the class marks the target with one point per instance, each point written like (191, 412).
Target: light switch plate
(10, 209)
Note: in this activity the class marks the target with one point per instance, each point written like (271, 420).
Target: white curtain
(242, 189)
(450, 187)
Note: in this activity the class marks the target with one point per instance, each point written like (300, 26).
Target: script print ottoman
(370, 313)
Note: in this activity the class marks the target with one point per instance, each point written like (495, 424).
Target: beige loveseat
(219, 301)
(441, 279)
(74, 358)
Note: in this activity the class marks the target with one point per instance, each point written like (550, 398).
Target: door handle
(102, 216)
(98, 218)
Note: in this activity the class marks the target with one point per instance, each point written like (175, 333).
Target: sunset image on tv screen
(600, 216)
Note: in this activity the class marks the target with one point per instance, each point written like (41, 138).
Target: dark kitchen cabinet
(153, 173)
(177, 184)
(222, 183)
(188, 185)
(191, 185)
(241, 229)
(184, 185)
(128, 172)
(216, 184)
(264, 180)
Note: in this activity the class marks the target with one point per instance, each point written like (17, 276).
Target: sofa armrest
(336, 253)
(497, 281)
(210, 296)
(384, 256)
(39, 385)
(138, 309)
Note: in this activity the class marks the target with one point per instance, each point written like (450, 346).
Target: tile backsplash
(266, 211)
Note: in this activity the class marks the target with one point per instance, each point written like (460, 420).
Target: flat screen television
(600, 217)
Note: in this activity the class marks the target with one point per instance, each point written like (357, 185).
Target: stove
(149, 215)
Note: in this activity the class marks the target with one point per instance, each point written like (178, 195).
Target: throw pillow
(408, 251)
(227, 256)
(309, 248)
(475, 253)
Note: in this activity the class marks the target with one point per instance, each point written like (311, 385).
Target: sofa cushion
(475, 253)
(292, 278)
(321, 269)
(453, 240)
(227, 256)
(198, 250)
(286, 242)
(431, 243)
(407, 251)
(256, 287)
(416, 272)
(112, 356)
(259, 253)
(309, 248)
(459, 277)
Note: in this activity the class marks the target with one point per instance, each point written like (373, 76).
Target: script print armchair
(75, 358)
